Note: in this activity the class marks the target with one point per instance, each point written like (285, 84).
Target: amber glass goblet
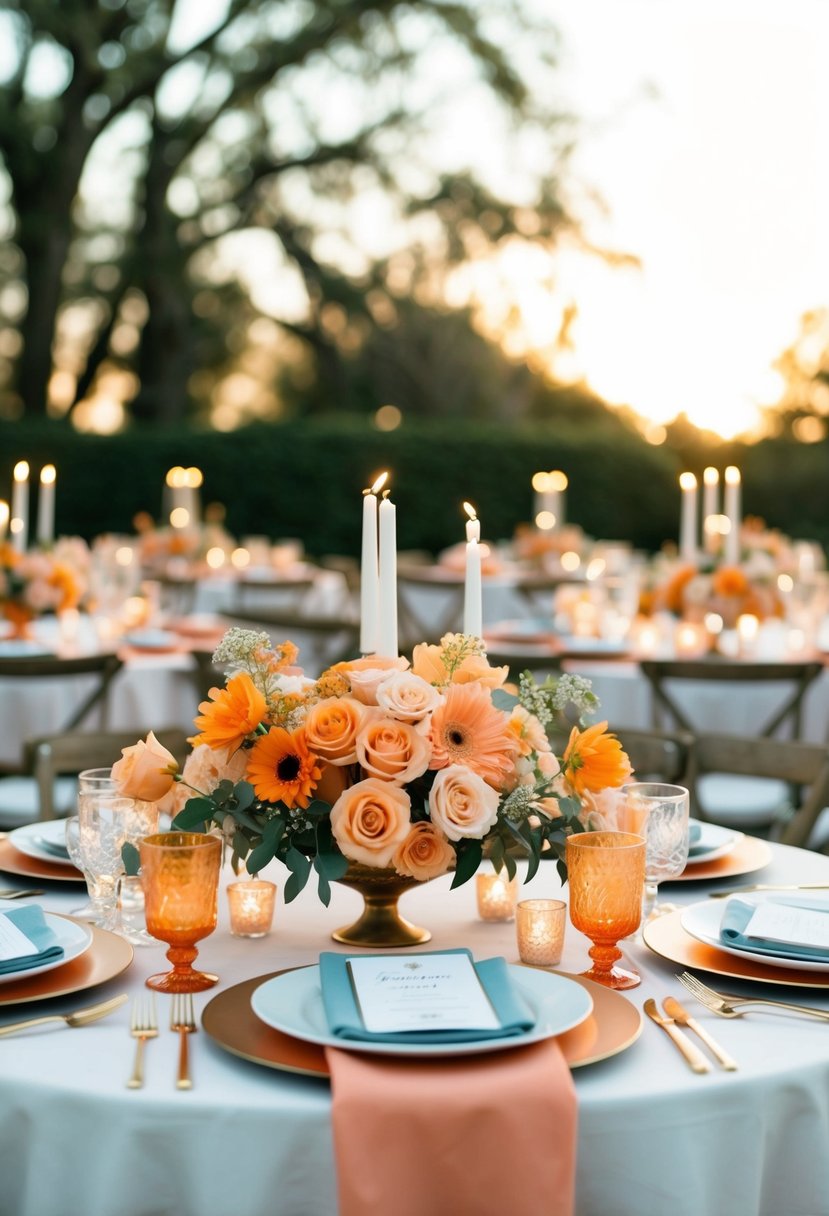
(180, 872)
(606, 876)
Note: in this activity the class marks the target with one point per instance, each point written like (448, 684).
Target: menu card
(430, 992)
(790, 924)
(13, 943)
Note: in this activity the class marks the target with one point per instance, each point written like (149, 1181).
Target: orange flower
(282, 769)
(424, 854)
(729, 580)
(231, 713)
(427, 662)
(332, 726)
(468, 729)
(672, 595)
(146, 770)
(594, 760)
(63, 579)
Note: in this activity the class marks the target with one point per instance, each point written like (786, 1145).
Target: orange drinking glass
(606, 875)
(180, 871)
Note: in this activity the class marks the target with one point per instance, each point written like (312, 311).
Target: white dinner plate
(292, 1003)
(23, 648)
(151, 639)
(714, 841)
(76, 938)
(33, 839)
(703, 921)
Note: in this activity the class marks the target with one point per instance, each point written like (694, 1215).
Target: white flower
(461, 803)
(407, 697)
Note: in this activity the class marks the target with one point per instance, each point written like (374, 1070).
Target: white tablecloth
(249, 1141)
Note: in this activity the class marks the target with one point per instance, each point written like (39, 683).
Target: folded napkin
(52, 846)
(483, 1134)
(44, 943)
(695, 844)
(736, 917)
(344, 1020)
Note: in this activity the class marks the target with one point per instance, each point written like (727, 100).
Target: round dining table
(250, 1140)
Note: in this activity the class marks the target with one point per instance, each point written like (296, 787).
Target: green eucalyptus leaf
(323, 888)
(244, 794)
(260, 857)
(130, 857)
(332, 865)
(469, 857)
(502, 699)
(194, 815)
(296, 881)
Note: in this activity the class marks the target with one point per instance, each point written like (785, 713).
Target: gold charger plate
(12, 861)
(748, 855)
(665, 936)
(107, 956)
(228, 1019)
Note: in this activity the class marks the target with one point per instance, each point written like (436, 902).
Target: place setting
(721, 852)
(38, 850)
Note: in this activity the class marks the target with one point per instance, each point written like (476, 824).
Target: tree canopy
(170, 185)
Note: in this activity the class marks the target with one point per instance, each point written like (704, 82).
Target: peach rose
(146, 770)
(203, 769)
(424, 854)
(392, 751)
(548, 765)
(367, 673)
(461, 803)
(331, 729)
(370, 820)
(407, 697)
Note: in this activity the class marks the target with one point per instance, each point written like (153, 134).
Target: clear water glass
(662, 812)
(103, 824)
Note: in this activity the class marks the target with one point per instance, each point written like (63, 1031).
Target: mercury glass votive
(540, 925)
(251, 907)
(497, 895)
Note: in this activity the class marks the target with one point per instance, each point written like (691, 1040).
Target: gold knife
(681, 1015)
(693, 1056)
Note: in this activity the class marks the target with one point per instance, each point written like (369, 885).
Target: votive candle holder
(497, 896)
(540, 925)
(251, 907)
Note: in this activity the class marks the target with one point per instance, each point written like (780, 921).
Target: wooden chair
(19, 801)
(755, 801)
(56, 756)
(659, 755)
(803, 769)
(272, 594)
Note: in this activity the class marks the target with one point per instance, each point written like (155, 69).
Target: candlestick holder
(251, 907)
(497, 896)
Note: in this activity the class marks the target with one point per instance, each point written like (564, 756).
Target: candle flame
(470, 510)
(558, 480)
(732, 475)
(21, 470)
(710, 476)
(379, 483)
(688, 481)
(47, 474)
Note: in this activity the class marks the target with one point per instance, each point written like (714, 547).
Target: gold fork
(183, 1020)
(727, 1006)
(143, 1026)
(81, 1017)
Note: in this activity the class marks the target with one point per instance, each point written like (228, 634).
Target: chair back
(74, 751)
(322, 640)
(657, 755)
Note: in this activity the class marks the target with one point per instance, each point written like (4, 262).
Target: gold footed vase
(380, 926)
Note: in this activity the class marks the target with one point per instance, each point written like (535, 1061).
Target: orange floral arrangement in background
(418, 768)
(40, 581)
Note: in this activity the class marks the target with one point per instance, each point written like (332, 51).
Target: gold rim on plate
(106, 958)
(229, 1020)
(666, 937)
(748, 855)
(12, 861)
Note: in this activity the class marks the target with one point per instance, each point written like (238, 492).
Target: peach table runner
(480, 1135)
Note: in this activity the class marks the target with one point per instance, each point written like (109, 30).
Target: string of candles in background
(716, 524)
(15, 518)
(549, 502)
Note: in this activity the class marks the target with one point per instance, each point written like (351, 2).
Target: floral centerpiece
(414, 769)
(42, 580)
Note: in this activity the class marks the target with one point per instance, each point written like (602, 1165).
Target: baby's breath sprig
(555, 696)
(253, 651)
(455, 647)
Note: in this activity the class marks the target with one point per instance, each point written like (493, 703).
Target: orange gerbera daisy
(730, 580)
(231, 713)
(282, 769)
(594, 760)
(468, 729)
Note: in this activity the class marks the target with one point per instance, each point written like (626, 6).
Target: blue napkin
(52, 846)
(345, 1022)
(695, 847)
(738, 913)
(32, 922)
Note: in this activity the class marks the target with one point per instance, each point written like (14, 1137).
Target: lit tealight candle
(251, 907)
(748, 627)
(690, 640)
(496, 896)
(540, 925)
